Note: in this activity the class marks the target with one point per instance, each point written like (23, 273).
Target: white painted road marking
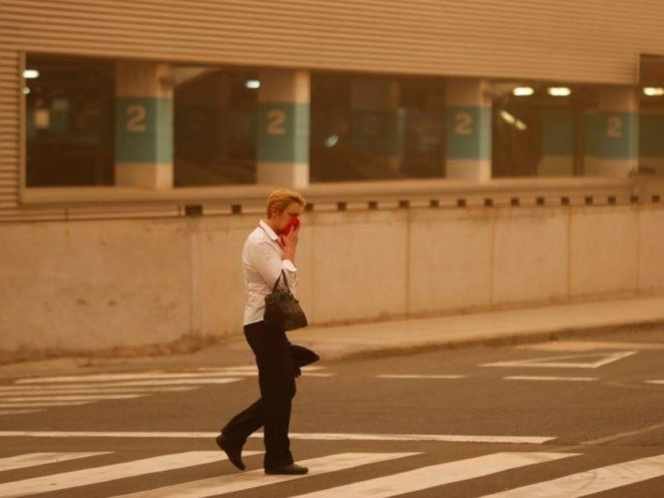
(239, 482)
(143, 383)
(18, 412)
(545, 378)
(251, 368)
(33, 396)
(34, 459)
(99, 397)
(51, 389)
(654, 381)
(580, 346)
(43, 404)
(592, 481)
(436, 475)
(318, 374)
(554, 361)
(243, 373)
(119, 377)
(298, 436)
(419, 376)
(448, 438)
(95, 475)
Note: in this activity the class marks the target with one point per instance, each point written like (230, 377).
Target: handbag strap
(277, 282)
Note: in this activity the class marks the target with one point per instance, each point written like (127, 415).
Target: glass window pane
(539, 129)
(69, 120)
(376, 128)
(215, 126)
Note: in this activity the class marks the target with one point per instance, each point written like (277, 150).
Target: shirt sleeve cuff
(287, 264)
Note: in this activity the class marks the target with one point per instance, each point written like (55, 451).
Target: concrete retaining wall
(100, 284)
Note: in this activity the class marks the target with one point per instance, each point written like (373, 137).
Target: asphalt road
(559, 419)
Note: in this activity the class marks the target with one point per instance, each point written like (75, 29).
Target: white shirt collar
(268, 230)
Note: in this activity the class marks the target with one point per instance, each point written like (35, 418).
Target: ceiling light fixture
(523, 91)
(652, 91)
(560, 91)
(30, 74)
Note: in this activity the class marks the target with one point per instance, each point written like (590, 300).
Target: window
(215, 126)
(539, 129)
(95, 122)
(69, 119)
(651, 124)
(376, 128)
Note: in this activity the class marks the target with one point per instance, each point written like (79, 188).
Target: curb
(342, 354)
(512, 339)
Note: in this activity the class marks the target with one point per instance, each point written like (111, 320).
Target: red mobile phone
(293, 223)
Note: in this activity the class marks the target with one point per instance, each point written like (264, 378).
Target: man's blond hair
(280, 199)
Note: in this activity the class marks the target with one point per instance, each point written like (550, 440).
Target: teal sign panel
(468, 132)
(143, 130)
(612, 135)
(283, 132)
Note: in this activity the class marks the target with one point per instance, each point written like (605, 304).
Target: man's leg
(277, 391)
(242, 425)
(235, 433)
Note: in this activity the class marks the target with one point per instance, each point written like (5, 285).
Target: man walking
(268, 251)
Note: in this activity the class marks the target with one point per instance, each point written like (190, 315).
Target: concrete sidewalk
(392, 337)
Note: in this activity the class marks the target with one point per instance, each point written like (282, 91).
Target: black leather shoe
(233, 452)
(292, 469)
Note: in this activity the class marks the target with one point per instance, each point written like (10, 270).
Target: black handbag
(282, 310)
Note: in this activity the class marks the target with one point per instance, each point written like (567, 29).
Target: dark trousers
(277, 387)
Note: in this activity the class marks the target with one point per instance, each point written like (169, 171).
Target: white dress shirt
(262, 263)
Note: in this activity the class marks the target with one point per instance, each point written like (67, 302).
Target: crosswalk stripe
(142, 383)
(592, 481)
(50, 389)
(305, 374)
(249, 480)
(72, 398)
(419, 376)
(436, 475)
(446, 438)
(96, 475)
(173, 378)
(251, 368)
(17, 412)
(655, 381)
(111, 434)
(34, 459)
(443, 438)
(550, 378)
(42, 404)
(116, 377)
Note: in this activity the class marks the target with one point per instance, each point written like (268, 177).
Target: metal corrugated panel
(13, 215)
(9, 128)
(592, 40)
(568, 40)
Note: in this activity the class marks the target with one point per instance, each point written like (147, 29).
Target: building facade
(455, 156)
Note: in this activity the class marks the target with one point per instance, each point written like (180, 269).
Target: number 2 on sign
(276, 120)
(615, 129)
(463, 123)
(136, 118)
